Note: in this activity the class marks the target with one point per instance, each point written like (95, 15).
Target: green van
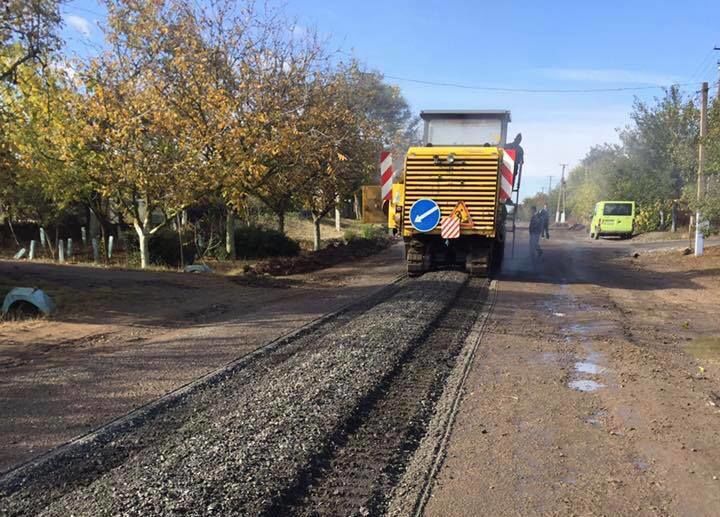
(613, 218)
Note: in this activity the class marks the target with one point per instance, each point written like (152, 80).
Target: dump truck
(452, 203)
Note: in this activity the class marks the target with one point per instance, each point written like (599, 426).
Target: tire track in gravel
(362, 465)
(234, 447)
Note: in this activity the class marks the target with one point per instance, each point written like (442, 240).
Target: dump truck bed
(472, 178)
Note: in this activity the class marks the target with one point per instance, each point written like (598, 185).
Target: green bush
(369, 231)
(255, 242)
(647, 218)
(350, 235)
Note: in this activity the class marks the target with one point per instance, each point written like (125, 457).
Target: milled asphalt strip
(413, 492)
(358, 469)
(243, 442)
(15, 477)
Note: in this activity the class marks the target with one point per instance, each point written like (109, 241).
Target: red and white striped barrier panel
(386, 175)
(507, 173)
(450, 228)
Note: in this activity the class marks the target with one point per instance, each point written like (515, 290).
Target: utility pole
(549, 184)
(699, 222)
(560, 216)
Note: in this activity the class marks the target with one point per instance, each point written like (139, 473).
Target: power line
(533, 90)
(702, 65)
(709, 68)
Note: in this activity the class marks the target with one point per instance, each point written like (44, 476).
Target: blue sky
(522, 44)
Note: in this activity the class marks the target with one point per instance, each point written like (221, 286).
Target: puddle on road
(588, 367)
(561, 307)
(585, 385)
(705, 348)
(601, 328)
(583, 329)
(580, 334)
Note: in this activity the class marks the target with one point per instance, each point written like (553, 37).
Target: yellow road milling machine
(456, 193)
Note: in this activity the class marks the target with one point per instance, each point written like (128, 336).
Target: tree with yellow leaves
(233, 78)
(42, 175)
(340, 144)
(145, 161)
(198, 56)
(28, 35)
(285, 72)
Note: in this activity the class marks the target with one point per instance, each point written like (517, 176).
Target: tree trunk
(12, 231)
(144, 240)
(316, 233)
(57, 238)
(673, 215)
(356, 206)
(338, 228)
(103, 239)
(230, 234)
(281, 221)
(180, 243)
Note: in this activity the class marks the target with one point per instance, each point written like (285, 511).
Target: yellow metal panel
(473, 178)
(396, 205)
(485, 152)
(372, 211)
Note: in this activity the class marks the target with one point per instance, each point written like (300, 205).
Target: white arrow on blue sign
(424, 215)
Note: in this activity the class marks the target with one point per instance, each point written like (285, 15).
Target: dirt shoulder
(122, 338)
(594, 391)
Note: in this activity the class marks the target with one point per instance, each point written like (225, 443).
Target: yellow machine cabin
(451, 208)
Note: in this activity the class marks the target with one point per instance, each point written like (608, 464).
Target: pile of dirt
(336, 252)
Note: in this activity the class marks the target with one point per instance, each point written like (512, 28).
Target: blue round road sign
(424, 215)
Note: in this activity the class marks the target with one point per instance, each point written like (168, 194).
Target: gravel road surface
(238, 446)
